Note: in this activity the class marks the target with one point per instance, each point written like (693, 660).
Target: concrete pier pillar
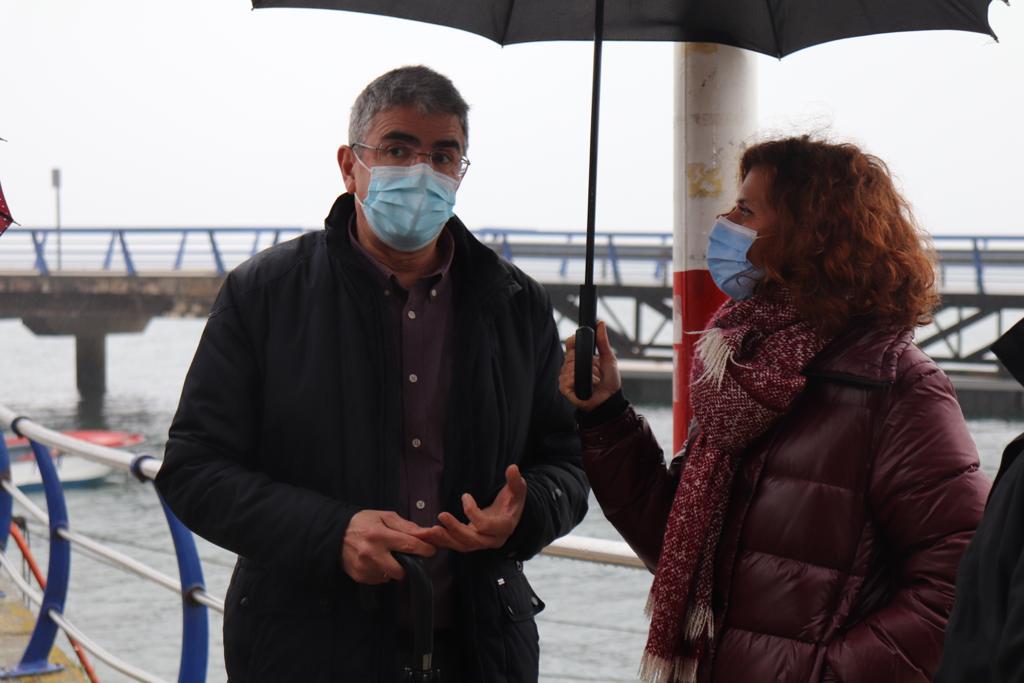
(91, 365)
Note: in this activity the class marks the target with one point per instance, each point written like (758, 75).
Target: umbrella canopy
(773, 27)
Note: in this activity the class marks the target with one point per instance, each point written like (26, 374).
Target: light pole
(56, 187)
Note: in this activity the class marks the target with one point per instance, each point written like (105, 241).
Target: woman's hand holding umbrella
(606, 376)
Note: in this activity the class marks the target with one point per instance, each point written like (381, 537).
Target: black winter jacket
(985, 636)
(289, 423)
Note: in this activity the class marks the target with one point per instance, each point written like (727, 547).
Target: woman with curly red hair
(811, 528)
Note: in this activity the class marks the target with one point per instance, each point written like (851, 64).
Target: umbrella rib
(508, 20)
(775, 32)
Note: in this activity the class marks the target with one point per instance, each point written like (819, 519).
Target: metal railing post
(195, 628)
(614, 257)
(181, 251)
(216, 254)
(6, 501)
(40, 247)
(563, 269)
(979, 275)
(110, 251)
(129, 266)
(35, 661)
(661, 268)
(506, 248)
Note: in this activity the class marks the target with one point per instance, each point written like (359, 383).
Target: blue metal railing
(612, 249)
(138, 249)
(983, 256)
(134, 251)
(195, 632)
(35, 659)
(195, 601)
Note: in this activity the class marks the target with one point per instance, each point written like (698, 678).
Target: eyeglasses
(401, 154)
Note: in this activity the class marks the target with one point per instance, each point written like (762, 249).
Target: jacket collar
(1013, 450)
(862, 354)
(476, 268)
(1009, 349)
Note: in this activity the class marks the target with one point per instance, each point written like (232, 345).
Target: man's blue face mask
(732, 271)
(408, 206)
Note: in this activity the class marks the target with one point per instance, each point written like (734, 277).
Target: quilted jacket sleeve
(208, 477)
(926, 496)
(627, 472)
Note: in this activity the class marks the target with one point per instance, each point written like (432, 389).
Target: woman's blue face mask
(732, 271)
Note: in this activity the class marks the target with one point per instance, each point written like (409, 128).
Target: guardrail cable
(69, 629)
(26, 552)
(117, 559)
(195, 600)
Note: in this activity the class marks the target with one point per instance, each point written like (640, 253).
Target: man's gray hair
(409, 86)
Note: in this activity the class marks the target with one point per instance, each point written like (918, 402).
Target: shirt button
(416, 443)
(412, 315)
(433, 292)
(413, 378)
(387, 292)
(420, 505)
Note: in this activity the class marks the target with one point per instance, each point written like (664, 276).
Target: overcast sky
(204, 112)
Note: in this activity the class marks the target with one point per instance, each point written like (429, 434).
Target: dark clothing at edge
(289, 424)
(985, 637)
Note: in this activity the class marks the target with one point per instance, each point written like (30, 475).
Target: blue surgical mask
(408, 206)
(732, 271)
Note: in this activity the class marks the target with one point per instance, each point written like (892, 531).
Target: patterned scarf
(746, 374)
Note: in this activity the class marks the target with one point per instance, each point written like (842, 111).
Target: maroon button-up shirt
(423, 313)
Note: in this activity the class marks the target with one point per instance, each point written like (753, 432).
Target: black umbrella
(772, 27)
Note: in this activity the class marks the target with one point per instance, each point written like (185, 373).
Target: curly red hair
(845, 243)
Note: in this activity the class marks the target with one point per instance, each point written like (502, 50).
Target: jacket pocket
(239, 626)
(516, 596)
(520, 605)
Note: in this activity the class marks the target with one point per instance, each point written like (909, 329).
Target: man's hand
(487, 528)
(369, 540)
(605, 372)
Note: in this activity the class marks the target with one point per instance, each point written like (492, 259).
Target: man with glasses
(385, 385)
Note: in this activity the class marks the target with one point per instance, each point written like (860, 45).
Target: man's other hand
(371, 537)
(487, 528)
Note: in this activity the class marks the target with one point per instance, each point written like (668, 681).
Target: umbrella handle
(585, 342)
(423, 617)
(584, 378)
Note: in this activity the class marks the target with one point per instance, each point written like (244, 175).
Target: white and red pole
(715, 115)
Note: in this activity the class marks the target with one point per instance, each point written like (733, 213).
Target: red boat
(74, 470)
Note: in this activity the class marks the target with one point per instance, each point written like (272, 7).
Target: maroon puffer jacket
(849, 518)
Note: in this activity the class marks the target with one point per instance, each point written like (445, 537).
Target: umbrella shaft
(595, 109)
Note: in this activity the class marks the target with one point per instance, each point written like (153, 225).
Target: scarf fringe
(699, 623)
(654, 669)
(715, 354)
